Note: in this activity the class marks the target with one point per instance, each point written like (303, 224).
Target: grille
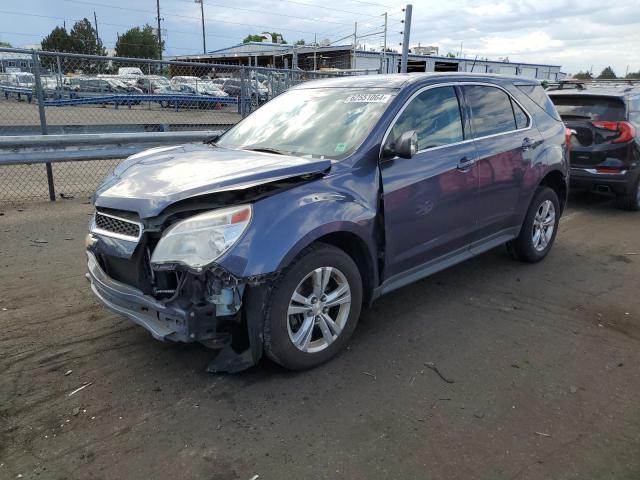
(117, 225)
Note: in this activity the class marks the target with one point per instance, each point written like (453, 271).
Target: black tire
(630, 200)
(278, 345)
(523, 247)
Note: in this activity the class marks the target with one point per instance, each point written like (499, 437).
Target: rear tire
(631, 200)
(539, 229)
(312, 308)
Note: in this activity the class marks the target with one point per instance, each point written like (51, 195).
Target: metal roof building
(344, 57)
(22, 61)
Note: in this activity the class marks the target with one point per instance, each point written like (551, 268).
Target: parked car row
(130, 81)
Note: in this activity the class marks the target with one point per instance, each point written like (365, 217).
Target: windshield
(323, 122)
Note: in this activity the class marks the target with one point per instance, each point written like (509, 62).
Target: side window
(522, 120)
(435, 116)
(491, 110)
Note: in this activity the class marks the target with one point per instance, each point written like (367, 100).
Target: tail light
(567, 138)
(627, 131)
(610, 170)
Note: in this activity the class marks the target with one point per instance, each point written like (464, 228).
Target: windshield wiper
(211, 140)
(267, 150)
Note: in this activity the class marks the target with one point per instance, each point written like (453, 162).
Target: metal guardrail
(7, 89)
(45, 149)
(132, 99)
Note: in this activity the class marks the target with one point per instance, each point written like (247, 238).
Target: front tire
(539, 229)
(313, 308)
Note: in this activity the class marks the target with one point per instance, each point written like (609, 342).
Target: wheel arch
(353, 245)
(357, 249)
(556, 181)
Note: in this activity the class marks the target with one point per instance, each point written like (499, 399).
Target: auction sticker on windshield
(368, 98)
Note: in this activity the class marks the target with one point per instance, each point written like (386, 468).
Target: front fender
(287, 222)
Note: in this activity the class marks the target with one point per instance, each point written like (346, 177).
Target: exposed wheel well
(557, 183)
(357, 249)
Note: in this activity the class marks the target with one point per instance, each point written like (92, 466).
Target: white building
(344, 57)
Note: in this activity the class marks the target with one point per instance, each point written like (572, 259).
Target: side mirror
(405, 147)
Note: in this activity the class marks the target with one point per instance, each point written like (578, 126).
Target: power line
(332, 9)
(371, 3)
(264, 12)
(106, 43)
(177, 15)
(228, 37)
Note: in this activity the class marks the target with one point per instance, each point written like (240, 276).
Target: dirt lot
(543, 362)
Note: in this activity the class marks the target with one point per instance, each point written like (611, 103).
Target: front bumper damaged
(173, 323)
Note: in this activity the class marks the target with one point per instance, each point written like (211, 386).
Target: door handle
(528, 144)
(465, 164)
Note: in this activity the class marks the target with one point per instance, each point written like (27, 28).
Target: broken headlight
(199, 240)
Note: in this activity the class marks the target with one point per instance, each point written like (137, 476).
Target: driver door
(428, 198)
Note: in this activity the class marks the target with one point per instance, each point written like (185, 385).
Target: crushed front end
(164, 279)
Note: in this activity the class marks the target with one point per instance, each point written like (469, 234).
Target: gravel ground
(541, 362)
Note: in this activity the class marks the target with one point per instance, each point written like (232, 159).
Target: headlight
(201, 239)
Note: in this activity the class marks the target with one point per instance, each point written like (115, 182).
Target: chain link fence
(50, 93)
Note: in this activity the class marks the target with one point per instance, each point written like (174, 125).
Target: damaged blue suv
(272, 238)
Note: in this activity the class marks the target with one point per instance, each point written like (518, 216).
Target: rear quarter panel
(551, 155)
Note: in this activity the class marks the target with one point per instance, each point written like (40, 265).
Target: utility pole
(159, 31)
(405, 38)
(315, 50)
(384, 48)
(355, 44)
(95, 21)
(204, 41)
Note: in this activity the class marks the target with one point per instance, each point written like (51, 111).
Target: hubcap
(318, 309)
(544, 223)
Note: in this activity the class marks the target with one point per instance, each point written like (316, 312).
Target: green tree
(138, 43)
(252, 38)
(583, 76)
(57, 41)
(5, 44)
(300, 42)
(260, 38)
(450, 55)
(84, 39)
(607, 74)
(633, 75)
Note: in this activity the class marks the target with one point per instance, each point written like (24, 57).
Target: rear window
(540, 98)
(590, 108)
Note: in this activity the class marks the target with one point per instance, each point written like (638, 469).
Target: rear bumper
(589, 179)
(162, 321)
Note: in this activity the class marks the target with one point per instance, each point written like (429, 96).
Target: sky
(576, 34)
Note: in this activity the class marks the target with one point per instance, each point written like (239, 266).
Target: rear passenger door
(428, 198)
(506, 141)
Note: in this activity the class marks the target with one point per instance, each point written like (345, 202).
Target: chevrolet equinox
(272, 238)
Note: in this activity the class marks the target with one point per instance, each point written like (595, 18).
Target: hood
(150, 181)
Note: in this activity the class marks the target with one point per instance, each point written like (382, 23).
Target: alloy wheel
(318, 309)
(544, 223)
